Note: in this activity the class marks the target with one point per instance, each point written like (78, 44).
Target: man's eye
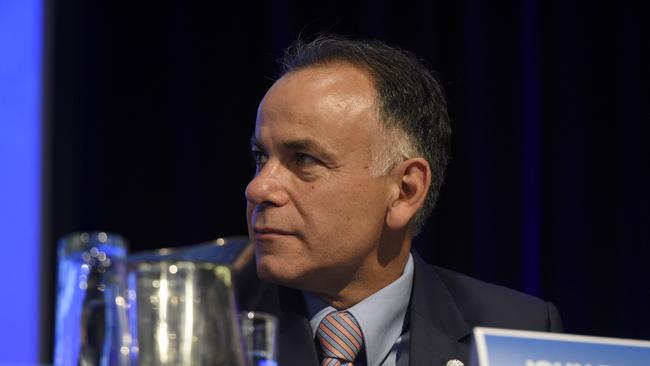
(304, 159)
(259, 157)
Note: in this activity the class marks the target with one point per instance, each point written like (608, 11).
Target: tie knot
(340, 337)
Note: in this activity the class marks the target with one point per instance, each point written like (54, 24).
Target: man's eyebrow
(308, 145)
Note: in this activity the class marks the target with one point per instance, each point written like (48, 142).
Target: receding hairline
(333, 64)
(382, 153)
(393, 144)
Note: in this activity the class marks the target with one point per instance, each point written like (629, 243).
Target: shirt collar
(382, 328)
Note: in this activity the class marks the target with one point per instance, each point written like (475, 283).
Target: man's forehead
(331, 106)
(327, 72)
(332, 94)
(337, 84)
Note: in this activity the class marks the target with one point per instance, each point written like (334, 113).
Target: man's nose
(267, 188)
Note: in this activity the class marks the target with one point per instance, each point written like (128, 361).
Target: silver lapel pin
(454, 362)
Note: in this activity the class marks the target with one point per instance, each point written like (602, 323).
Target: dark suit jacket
(444, 308)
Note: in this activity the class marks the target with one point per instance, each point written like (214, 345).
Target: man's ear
(413, 177)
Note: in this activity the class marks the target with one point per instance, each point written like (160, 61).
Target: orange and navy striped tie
(340, 339)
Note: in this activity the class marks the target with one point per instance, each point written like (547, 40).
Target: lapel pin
(454, 362)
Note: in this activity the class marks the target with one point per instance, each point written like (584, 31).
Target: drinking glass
(259, 331)
(183, 312)
(91, 326)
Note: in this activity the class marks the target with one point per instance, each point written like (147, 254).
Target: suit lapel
(297, 346)
(438, 332)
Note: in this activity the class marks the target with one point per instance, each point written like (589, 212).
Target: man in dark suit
(351, 144)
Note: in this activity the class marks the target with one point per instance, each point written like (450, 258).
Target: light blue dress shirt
(380, 316)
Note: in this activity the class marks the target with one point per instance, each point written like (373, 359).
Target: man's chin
(278, 274)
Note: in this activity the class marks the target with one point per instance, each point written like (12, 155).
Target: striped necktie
(340, 339)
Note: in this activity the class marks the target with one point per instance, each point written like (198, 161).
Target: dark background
(151, 106)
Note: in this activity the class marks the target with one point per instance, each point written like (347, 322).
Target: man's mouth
(264, 232)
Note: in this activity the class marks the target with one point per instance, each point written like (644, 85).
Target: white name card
(505, 347)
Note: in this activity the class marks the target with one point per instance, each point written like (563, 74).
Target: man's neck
(362, 287)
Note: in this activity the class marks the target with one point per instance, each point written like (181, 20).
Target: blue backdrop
(20, 172)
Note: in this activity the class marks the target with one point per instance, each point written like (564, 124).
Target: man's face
(315, 212)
